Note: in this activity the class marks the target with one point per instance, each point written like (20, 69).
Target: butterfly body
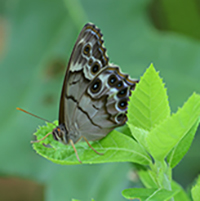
(95, 93)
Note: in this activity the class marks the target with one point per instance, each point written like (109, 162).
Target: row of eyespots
(122, 94)
(112, 82)
(95, 88)
(95, 66)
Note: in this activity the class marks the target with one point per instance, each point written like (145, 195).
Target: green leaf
(178, 152)
(196, 190)
(181, 195)
(140, 135)
(148, 178)
(148, 194)
(169, 133)
(116, 147)
(36, 34)
(125, 130)
(149, 102)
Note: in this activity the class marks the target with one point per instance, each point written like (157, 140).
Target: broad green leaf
(149, 102)
(181, 195)
(148, 178)
(139, 134)
(148, 194)
(125, 130)
(196, 191)
(40, 32)
(178, 152)
(169, 133)
(116, 147)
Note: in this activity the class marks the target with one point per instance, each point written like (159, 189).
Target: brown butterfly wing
(104, 104)
(95, 93)
(89, 34)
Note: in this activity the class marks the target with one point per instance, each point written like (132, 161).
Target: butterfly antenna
(41, 138)
(34, 115)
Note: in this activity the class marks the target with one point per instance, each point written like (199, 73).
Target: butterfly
(94, 95)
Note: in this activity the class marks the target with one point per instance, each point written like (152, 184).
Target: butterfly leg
(92, 147)
(71, 142)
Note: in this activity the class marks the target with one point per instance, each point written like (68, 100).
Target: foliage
(36, 40)
(158, 134)
(196, 190)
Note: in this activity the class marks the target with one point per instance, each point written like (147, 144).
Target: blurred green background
(36, 39)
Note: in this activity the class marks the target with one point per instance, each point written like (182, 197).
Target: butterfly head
(60, 134)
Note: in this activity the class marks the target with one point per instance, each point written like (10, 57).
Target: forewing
(87, 59)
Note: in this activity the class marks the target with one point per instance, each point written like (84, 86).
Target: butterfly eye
(122, 93)
(57, 134)
(112, 80)
(122, 104)
(86, 50)
(96, 86)
(95, 68)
